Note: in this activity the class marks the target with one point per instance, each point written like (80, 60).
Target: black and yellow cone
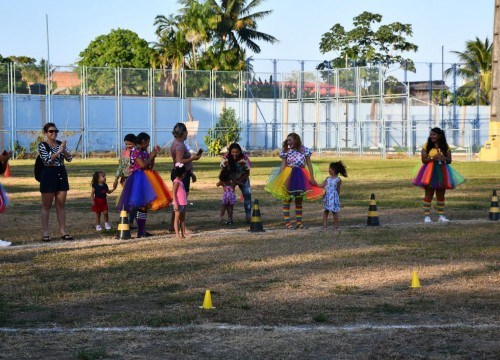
(123, 226)
(256, 221)
(494, 209)
(372, 213)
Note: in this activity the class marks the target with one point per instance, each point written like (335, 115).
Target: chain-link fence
(355, 110)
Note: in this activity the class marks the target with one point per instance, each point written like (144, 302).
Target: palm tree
(476, 65)
(237, 26)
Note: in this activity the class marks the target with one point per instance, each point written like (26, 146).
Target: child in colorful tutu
(4, 201)
(100, 191)
(144, 188)
(228, 195)
(180, 200)
(124, 170)
(331, 198)
(293, 181)
(436, 175)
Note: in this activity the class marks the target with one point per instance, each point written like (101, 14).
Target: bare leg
(176, 223)
(97, 218)
(47, 199)
(336, 224)
(60, 211)
(222, 212)
(182, 221)
(325, 219)
(230, 213)
(106, 217)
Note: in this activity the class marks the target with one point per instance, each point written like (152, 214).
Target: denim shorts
(181, 208)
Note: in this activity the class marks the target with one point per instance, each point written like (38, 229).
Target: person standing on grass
(124, 170)
(180, 201)
(100, 191)
(294, 179)
(239, 165)
(4, 161)
(436, 175)
(181, 154)
(54, 183)
(331, 198)
(228, 196)
(144, 188)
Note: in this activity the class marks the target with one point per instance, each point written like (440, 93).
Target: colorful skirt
(4, 200)
(294, 182)
(144, 189)
(437, 176)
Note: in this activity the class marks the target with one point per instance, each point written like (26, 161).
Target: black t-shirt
(101, 191)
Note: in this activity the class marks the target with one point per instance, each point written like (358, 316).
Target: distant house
(420, 90)
(66, 82)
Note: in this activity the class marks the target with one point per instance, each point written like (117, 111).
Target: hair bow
(179, 164)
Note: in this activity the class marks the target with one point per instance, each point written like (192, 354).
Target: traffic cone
(372, 213)
(7, 171)
(415, 282)
(207, 302)
(494, 209)
(256, 221)
(123, 226)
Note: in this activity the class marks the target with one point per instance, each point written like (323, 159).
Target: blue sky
(298, 24)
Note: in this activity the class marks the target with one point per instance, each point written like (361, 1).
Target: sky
(439, 26)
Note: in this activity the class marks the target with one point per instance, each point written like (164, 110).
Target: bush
(225, 132)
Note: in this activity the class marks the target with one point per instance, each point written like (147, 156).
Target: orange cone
(7, 171)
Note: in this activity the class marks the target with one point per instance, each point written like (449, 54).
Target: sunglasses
(53, 131)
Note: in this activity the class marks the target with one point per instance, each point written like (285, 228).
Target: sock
(440, 206)
(298, 214)
(426, 204)
(286, 212)
(141, 222)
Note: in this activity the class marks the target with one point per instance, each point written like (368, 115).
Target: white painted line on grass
(246, 328)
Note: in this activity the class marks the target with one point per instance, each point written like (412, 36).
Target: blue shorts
(181, 208)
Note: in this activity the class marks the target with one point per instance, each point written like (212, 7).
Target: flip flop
(66, 237)
(46, 238)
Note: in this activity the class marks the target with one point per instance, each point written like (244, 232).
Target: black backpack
(39, 162)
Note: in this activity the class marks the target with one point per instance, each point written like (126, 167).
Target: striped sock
(286, 212)
(141, 223)
(440, 206)
(298, 214)
(426, 204)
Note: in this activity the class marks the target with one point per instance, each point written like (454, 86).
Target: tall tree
(476, 66)
(120, 48)
(365, 46)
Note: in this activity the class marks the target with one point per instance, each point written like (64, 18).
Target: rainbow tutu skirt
(437, 176)
(294, 182)
(144, 189)
(4, 200)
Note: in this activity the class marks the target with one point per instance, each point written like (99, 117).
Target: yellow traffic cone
(207, 302)
(123, 226)
(415, 282)
(256, 221)
(494, 209)
(372, 213)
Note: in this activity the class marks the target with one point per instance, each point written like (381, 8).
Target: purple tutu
(137, 192)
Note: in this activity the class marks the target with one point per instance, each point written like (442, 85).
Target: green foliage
(365, 46)
(226, 131)
(20, 84)
(19, 150)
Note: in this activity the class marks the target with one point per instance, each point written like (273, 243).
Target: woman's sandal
(66, 237)
(46, 238)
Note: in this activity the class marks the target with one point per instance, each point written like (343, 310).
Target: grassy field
(284, 294)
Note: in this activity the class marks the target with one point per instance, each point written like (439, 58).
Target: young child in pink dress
(180, 201)
(228, 196)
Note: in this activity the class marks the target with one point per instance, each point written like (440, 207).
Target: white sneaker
(443, 218)
(98, 227)
(427, 219)
(107, 226)
(4, 243)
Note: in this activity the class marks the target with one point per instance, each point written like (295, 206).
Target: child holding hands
(331, 198)
(99, 199)
(228, 195)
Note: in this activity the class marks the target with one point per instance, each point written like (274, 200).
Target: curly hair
(298, 142)
(442, 143)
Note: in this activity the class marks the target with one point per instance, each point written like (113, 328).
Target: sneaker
(107, 226)
(443, 218)
(98, 228)
(427, 219)
(4, 243)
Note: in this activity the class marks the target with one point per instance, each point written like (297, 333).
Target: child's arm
(323, 184)
(92, 196)
(219, 183)
(113, 189)
(176, 200)
(311, 172)
(338, 186)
